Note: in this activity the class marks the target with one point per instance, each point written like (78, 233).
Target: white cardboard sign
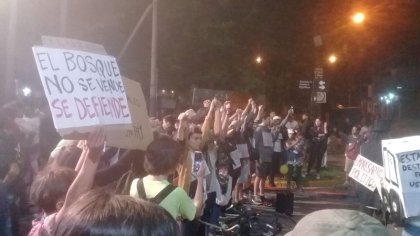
(83, 89)
(366, 172)
(410, 170)
(139, 135)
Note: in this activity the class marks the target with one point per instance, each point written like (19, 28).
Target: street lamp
(358, 18)
(26, 91)
(258, 60)
(332, 59)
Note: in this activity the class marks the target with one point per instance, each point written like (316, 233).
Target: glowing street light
(332, 59)
(258, 60)
(26, 91)
(358, 18)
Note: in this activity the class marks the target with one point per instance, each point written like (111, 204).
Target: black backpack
(159, 197)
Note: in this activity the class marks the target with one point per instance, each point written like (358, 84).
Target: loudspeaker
(284, 202)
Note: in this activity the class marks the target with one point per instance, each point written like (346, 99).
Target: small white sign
(366, 172)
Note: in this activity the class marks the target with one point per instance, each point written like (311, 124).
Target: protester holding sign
(353, 143)
(83, 89)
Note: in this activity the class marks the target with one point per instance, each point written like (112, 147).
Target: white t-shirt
(292, 125)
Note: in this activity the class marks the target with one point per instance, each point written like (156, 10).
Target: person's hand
(190, 113)
(212, 106)
(254, 106)
(261, 107)
(250, 100)
(206, 103)
(201, 171)
(95, 142)
(218, 104)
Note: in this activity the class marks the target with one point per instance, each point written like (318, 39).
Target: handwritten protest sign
(401, 159)
(410, 170)
(139, 134)
(366, 172)
(83, 89)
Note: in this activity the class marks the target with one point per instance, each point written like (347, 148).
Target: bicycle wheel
(262, 228)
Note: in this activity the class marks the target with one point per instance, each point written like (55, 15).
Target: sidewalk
(331, 182)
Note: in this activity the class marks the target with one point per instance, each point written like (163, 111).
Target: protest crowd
(199, 164)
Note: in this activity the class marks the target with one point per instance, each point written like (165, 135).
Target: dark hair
(223, 161)
(101, 212)
(51, 185)
(194, 130)
(162, 155)
(265, 115)
(170, 119)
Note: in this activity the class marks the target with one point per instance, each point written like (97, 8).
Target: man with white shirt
(278, 150)
(264, 146)
(291, 122)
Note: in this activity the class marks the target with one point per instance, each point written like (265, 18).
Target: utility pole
(153, 69)
(134, 32)
(63, 18)
(11, 50)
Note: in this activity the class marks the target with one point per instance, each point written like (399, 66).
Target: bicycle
(244, 221)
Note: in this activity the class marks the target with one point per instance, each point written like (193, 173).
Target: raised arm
(198, 198)
(283, 122)
(247, 108)
(260, 113)
(205, 128)
(84, 179)
(218, 118)
(182, 127)
(225, 120)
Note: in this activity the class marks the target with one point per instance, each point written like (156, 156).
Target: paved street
(312, 201)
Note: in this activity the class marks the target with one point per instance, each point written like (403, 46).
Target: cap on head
(338, 222)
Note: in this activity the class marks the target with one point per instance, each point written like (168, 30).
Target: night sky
(213, 43)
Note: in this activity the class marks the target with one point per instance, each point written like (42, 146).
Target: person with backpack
(161, 159)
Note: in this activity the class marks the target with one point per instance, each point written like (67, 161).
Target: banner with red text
(83, 89)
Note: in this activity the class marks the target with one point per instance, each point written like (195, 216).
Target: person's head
(272, 114)
(222, 169)
(318, 122)
(305, 116)
(347, 120)
(354, 130)
(338, 222)
(162, 156)
(222, 165)
(49, 188)
(276, 120)
(265, 121)
(101, 212)
(168, 122)
(194, 138)
(206, 103)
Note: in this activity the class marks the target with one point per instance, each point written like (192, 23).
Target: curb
(327, 192)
